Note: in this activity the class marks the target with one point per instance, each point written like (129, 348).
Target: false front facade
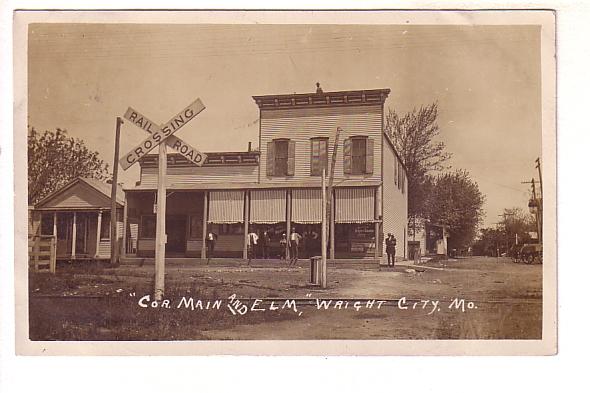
(277, 188)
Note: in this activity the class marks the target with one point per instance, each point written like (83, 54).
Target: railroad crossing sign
(163, 133)
(161, 136)
(186, 150)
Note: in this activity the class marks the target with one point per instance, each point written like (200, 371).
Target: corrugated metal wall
(198, 175)
(300, 125)
(395, 203)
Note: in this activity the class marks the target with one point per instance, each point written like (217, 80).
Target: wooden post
(204, 235)
(288, 251)
(55, 224)
(161, 224)
(246, 223)
(98, 230)
(330, 208)
(378, 216)
(124, 240)
(52, 253)
(74, 236)
(36, 249)
(332, 227)
(114, 237)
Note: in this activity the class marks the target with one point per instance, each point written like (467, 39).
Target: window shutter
(369, 156)
(395, 171)
(291, 159)
(347, 156)
(270, 159)
(315, 157)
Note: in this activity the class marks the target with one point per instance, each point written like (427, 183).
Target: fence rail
(42, 250)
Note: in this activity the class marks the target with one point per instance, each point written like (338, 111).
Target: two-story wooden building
(278, 187)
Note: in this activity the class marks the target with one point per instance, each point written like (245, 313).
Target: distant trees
(55, 159)
(514, 225)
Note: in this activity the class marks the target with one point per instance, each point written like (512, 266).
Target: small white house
(79, 214)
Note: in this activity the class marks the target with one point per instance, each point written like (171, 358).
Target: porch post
(204, 237)
(332, 227)
(55, 224)
(98, 230)
(288, 252)
(246, 223)
(124, 240)
(74, 236)
(378, 216)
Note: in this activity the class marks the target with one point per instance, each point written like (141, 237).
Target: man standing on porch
(252, 244)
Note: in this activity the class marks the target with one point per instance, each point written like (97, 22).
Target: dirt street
(474, 298)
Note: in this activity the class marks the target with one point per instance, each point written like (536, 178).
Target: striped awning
(268, 206)
(355, 205)
(226, 207)
(306, 206)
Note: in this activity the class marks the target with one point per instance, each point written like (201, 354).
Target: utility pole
(323, 277)
(328, 211)
(538, 210)
(538, 166)
(114, 243)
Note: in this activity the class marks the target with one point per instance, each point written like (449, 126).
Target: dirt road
(475, 298)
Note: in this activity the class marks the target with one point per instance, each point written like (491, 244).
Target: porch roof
(81, 193)
(249, 186)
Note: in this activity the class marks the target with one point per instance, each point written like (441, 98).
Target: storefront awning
(355, 205)
(268, 206)
(226, 207)
(306, 207)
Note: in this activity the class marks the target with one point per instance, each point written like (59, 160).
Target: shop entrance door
(176, 235)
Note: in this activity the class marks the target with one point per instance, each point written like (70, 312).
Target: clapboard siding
(395, 203)
(198, 175)
(300, 125)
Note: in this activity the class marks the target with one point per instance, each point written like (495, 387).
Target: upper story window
(358, 155)
(319, 156)
(280, 159)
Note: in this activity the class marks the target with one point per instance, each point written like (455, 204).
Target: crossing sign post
(162, 136)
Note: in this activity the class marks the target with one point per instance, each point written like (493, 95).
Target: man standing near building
(390, 244)
(210, 242)
(294, 239)
(252, 244)
(264, 244)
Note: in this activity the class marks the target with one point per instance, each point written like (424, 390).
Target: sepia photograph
(356, 182)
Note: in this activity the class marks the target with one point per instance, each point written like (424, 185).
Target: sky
(486, 80)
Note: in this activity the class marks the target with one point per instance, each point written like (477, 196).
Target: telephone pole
(114, 239)
(538, 166)
(537, 206)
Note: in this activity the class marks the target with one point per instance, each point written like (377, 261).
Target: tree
(55, 159)
(413, 136)
(455, 201)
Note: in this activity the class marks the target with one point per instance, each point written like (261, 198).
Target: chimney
(249, 147)
(319, 89)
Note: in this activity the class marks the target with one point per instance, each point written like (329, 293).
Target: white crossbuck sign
(163, 133)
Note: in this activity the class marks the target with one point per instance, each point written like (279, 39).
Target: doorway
(176, 235)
